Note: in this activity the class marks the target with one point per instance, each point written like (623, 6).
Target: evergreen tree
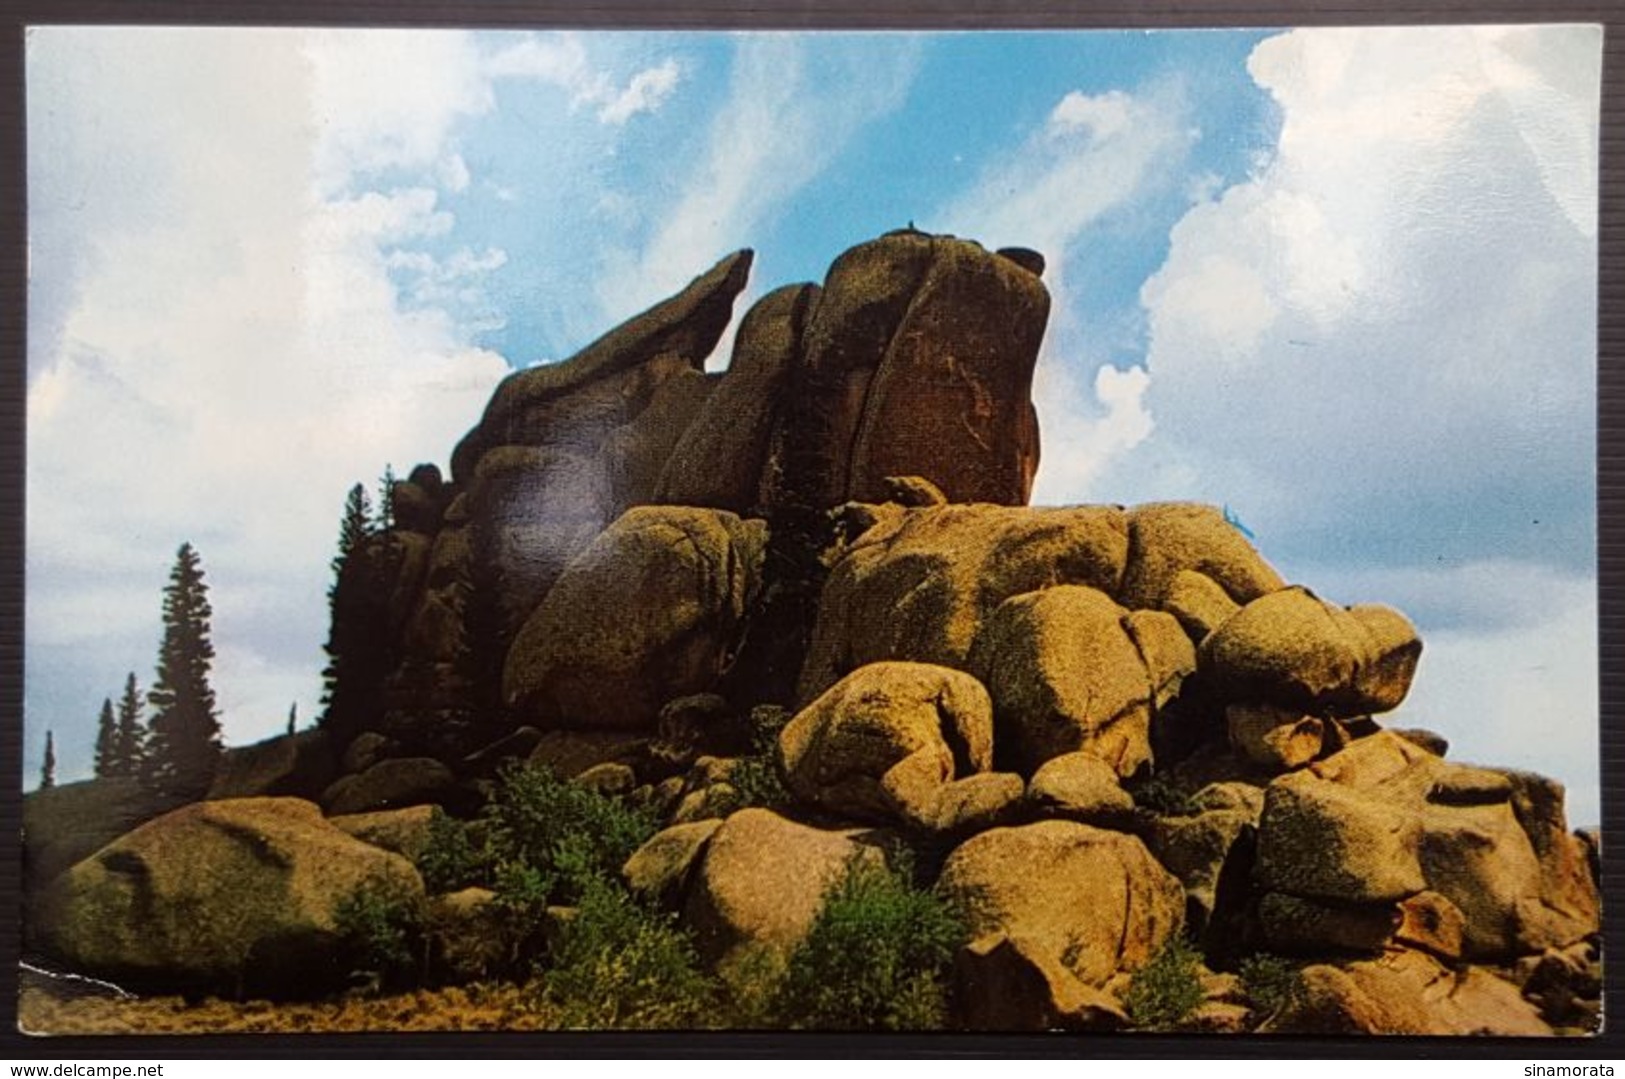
(481, 649)
(354, 529)
(184, 745)
(293, 716)
(47, 775)
(358, 647)
(386, 499)
(106, 741)
(130, 735)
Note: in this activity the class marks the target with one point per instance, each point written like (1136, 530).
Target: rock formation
(1096, 729)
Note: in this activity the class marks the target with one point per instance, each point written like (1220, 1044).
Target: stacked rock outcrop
(1095, 728)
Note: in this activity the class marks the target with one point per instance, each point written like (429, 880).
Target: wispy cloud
(1095, 154)
(562, 60)
(794, 104)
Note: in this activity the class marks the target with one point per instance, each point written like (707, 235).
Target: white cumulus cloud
(1381, 350)
(231, 347)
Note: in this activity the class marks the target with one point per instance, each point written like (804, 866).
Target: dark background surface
(779, 14)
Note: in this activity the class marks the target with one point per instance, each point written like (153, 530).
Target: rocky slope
(1097, 728)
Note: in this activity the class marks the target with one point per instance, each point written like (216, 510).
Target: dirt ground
(48, 1007)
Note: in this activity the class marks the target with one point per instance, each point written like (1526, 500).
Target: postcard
(757, 530)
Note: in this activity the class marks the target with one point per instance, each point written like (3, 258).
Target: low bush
(1168, 988)
(1271, 983)
(757, 779)
(1163, 798)
(618, 964)
(537, 840)
(877, 957)
(381, 930)
(450, 859)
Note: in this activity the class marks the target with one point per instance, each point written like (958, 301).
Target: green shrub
(620, 965)
(1270, 982)
(1163, 798)
(536, 841)
(877, 957)
(381, 929)
(757, 778)
(540, 820)
(450, 859)
(1168, 988)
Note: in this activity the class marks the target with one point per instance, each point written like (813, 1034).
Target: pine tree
(293, 716)
(106, 741)
(353, 529)
(47, 775)
(386, 499)
(130, 735)
(358, 648)
(481, 649)
(184, 744)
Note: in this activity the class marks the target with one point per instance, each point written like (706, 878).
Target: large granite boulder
(880, 744)
(920, 583)
(1068, 671)
(226, 896)
(1384, 819)
(65, 824)
(722, 457)
(580, 400)
(1407, 992)
(1293, 649)
(760, 884)
(653, 609)
(1170, 538)
(1092, 900)
(393, 784)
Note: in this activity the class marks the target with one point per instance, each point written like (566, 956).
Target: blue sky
(1342, 281)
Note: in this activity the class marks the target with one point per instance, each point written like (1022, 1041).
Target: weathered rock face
(1093, 900)
(1293, 649)
(580, 401)
(951, 381)
(1067, 672)
(914, 358)
(227, 895)
(652, 610)
(293, 765)
(722, 459)
(880, 744)
(65, 824)
(1384, 820)
(1408, 992)
(920, 583)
